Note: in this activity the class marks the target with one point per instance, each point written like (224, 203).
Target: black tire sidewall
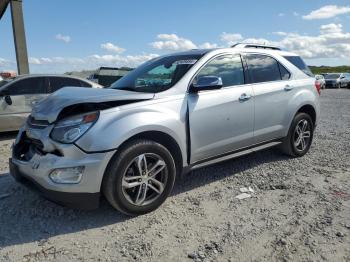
(296, 120)
(118, 167)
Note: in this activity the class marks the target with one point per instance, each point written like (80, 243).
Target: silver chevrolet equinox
(169, 116)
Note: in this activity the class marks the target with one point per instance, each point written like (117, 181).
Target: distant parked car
(320, 79)
(106, 76)
(337, 80)
(19, 94)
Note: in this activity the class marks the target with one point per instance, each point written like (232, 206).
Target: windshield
(157, 75)
(332, 76)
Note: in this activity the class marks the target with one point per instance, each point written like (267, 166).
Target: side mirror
(206, 83)
(8, 100)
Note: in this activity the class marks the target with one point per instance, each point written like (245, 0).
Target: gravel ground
(300, 210)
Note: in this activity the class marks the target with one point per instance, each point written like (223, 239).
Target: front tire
(139, 178)
(300, 136)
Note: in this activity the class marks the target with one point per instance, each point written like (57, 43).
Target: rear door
(272, 92)
(24, 93)
(221, 122)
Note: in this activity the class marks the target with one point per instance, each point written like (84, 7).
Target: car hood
(50, 108)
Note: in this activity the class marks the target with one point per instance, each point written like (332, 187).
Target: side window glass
(57, 83)
(228, 67)
(84, 84)
(28, 86)
(263, 68)
(285, 75)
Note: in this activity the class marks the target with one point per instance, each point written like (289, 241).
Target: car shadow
(26, 217)
(226, 169)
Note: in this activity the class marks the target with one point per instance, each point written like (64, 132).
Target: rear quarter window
(299, 63)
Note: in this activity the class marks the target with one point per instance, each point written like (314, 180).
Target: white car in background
(19, 94)
(320, 79)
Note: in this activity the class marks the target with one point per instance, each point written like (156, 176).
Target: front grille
(37, 124)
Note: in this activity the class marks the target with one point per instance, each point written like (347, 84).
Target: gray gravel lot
(300, 210)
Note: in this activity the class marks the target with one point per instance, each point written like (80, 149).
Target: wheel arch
(310, 110)
(159, 137)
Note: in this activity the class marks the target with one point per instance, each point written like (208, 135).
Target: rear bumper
(84, 201)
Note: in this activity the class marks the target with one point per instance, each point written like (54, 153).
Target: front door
(221, 121)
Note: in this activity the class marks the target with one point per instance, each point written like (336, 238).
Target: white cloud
(34, 61)
(281, 14)
(64, 38)
(55, 60)
(112, 48)
(172, 42)
(331, 28)
(4, 62)
(332, 42)
(208, 45)
(119, 60)
(295, 13)
(64, 64)
(230, 39)
(327, 11)
(280, 33)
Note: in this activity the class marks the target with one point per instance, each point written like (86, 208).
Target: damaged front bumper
(32, 165)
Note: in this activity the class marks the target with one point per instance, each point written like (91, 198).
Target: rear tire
(139, 178)
(300, 136)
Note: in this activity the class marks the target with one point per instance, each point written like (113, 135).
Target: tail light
(318, 87)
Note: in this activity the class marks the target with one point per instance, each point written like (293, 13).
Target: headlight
(71, 129)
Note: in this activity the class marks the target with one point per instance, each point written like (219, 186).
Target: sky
(66, 35)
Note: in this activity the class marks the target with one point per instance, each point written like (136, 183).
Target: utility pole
(19, 37)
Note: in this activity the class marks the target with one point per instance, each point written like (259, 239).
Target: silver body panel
(205, 125)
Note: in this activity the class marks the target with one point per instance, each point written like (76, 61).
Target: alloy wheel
(302, 135)
(144, 179)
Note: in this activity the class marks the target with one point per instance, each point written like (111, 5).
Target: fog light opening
(70, 175)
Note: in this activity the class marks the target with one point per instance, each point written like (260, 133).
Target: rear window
(299, 63)
(332, 76)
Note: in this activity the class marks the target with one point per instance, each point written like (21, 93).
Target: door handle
(244, 97)
(288, 88)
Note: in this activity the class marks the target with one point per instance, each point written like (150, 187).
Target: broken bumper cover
(35, 169)
(84, 201)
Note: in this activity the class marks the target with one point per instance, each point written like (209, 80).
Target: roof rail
(251, 45)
